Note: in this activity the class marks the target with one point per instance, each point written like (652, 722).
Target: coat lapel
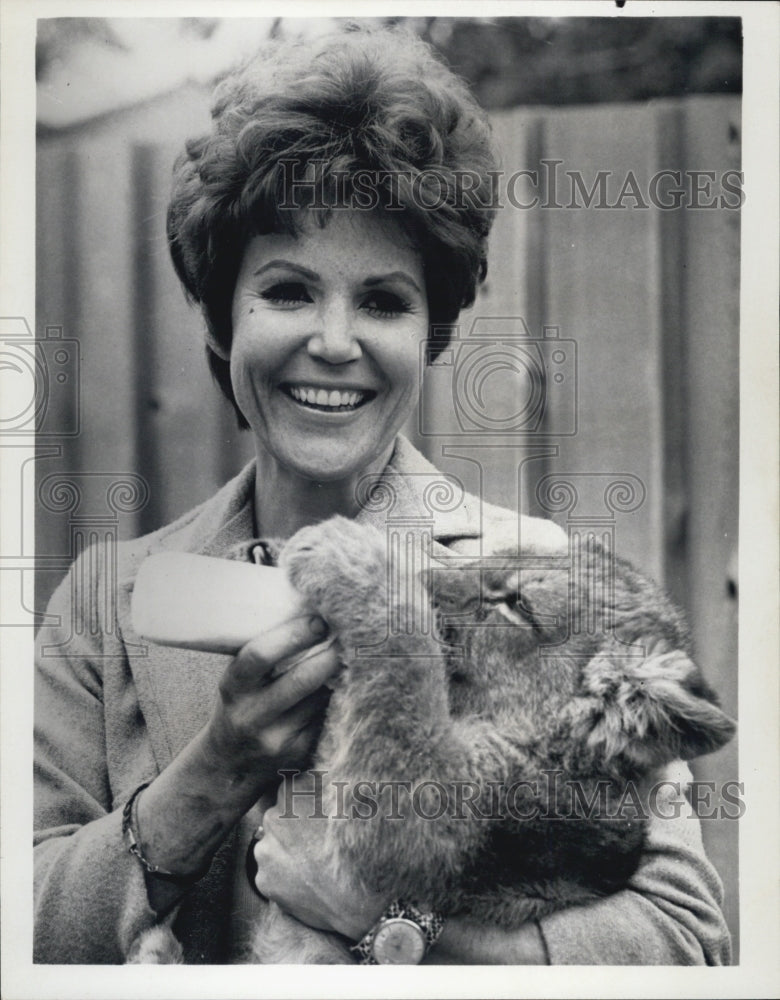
(176, 687)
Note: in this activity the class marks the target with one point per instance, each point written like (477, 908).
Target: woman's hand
(272, 699)
(260, 723)
(293, 871)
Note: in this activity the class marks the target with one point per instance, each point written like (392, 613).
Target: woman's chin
(331, 465)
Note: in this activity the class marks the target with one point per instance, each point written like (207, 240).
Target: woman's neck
(285, 501)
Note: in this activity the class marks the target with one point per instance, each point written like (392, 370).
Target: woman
(334, 220)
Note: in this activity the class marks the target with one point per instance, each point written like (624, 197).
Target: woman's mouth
(328, 400)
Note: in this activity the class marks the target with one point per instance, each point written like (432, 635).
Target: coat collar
(410, 490)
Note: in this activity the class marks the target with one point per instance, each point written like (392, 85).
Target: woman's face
(327, 327)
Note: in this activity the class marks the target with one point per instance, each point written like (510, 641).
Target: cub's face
(508, 630)
(581, 648)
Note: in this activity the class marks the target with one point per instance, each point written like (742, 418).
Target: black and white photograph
(389, 438)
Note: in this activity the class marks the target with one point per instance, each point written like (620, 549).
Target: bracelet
(132, 840)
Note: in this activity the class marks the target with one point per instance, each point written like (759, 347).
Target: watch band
(430, 924)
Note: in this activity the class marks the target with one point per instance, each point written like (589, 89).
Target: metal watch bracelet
(430, 924)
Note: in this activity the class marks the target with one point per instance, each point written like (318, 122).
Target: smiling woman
(154, 766)
(325, 360)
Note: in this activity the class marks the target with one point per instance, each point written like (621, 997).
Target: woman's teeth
(330, 399)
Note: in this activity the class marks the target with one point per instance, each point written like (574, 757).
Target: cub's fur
(541, 692)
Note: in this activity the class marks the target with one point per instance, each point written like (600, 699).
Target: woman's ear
(216, 347)
(653, 709)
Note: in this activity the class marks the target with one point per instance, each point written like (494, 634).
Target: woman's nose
(334, 340)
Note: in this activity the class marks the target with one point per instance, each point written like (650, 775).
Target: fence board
(56, 307)
(711, 322)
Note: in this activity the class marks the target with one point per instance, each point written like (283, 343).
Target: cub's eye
(385, 304)
(286, 293)
(511, 607)
(516, 610)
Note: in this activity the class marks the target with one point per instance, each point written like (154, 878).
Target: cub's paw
(340, 567)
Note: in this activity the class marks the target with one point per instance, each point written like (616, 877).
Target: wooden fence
(631, 311)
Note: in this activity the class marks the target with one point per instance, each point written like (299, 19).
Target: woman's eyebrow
(305, 272)
(402, 276)
(288, 265)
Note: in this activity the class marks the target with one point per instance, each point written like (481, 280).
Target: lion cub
(497, 747)
(480, 742)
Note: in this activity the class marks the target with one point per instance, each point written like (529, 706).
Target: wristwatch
(402, 936)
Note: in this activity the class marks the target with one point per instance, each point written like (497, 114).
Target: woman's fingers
(284, 641)
(256, 661)
(306, 675)
(272, 697)
(292, 867)
(291, 735)
(308, 710)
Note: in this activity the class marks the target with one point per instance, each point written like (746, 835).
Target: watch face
(399, 942)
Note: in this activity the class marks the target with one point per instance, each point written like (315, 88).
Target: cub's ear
(651, 711)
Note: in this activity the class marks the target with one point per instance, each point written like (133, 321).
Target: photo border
(758, 632)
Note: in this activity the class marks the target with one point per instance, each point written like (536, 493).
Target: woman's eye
(385, 304)
(286, 292)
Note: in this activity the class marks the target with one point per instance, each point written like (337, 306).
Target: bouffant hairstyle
(367, 119)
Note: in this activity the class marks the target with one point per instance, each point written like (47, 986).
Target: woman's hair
(364, 119)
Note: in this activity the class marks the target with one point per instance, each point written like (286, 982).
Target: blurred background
(643, 301)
